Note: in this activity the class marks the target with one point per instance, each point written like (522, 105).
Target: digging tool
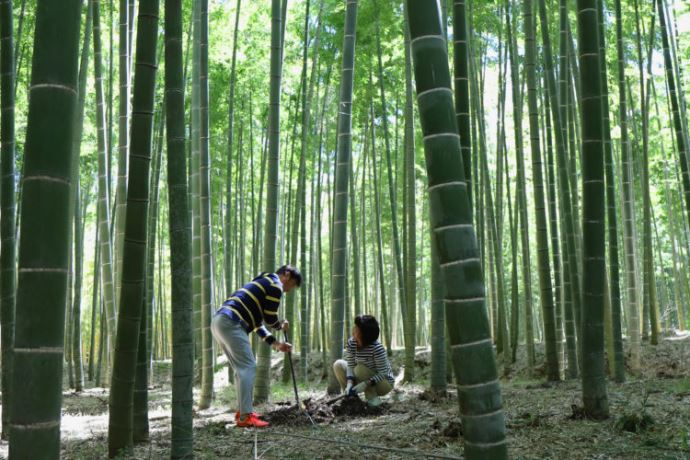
(294, 381)
(336, 399)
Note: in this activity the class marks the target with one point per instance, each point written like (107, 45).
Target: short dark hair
(292, 271)
(368, 327)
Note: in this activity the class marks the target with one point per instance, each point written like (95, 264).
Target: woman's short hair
(368, 327)
(293, 272)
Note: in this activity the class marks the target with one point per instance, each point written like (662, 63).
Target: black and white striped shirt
(257, 303)
(372, 356)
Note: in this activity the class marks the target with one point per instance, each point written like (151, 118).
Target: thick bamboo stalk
(133, 282)
(180, 239)
(546, 293)
(478, 387)
(8, 268)
(594, 392)
(270, 229)
(206, 395)
(43, 249)
(342, 177)
(229, 285)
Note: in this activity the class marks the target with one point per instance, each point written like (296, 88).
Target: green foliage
(682, 386)
(685, 439)
(637, 421)
(634, 423)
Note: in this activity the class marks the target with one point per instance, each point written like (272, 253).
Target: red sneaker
(251, 420)
(237, 415)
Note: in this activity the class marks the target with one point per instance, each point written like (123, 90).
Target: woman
(366, 367)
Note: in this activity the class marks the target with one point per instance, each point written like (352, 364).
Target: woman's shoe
(374, 402)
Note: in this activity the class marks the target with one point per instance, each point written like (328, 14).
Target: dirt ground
(650, 418)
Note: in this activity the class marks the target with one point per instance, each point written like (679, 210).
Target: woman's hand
(348, 388)
(360, 387)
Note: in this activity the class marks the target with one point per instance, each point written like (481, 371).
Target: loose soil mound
(322, 411)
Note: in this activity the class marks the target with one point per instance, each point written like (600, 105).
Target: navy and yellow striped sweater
(256, 304)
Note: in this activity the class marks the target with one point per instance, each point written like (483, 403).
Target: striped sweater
(372, 356)
(255, 304)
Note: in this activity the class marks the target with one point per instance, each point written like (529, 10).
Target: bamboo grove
(499, 180)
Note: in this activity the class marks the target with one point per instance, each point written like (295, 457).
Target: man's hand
(285, 326)
(282, 346)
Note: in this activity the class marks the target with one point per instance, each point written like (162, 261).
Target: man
(246, 311)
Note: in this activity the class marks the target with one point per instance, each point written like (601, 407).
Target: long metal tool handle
(294, 383)
(292, 369)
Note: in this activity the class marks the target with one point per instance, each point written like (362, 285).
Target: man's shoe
(251, 420)
(374, 402)
(237, 415)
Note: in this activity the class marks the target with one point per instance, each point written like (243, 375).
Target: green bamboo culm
(195, 203)
(571, 274)
(339, 266)
(410, 269)
(79, 201)
(80, 205)
(386, 332)
(409, 318)
(134, 254)
(146, 325)
(270, 237)
(570, 270)
(438, 374)
(104, 217)
(650, 320)
(593, 202)
(123, 144)
(633, 326)
(520, 194)
(302, 192)
(8, 271)
(546, 293)
(462, 100)
(679, 128)
(181, 443)
(619, 370)
(474, 364)
(73, 266)
(141, 378)
(228, 256)
(570, 296)
(206, 395)
(36, 384)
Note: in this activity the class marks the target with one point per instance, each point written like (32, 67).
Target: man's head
(290, 277)
(366, 330)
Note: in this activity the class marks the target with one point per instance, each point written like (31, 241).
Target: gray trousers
(237, 348)
(362, 373)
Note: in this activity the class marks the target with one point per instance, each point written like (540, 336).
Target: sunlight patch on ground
(678, 335)
(76, 426)
(83, 426)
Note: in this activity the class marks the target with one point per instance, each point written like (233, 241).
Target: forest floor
(542, 418)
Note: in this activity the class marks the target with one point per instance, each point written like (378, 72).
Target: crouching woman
(366, 367)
